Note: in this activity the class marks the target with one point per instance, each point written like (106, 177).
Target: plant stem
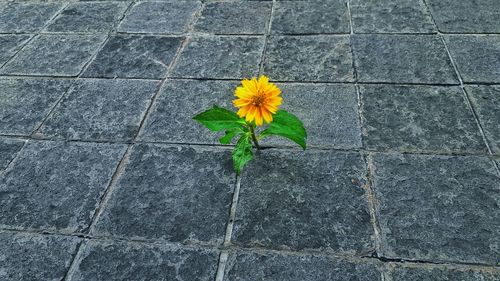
(254, 138)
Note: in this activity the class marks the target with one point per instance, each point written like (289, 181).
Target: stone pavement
(104, 176)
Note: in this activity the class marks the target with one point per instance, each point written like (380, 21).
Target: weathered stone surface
(294, 17)
(137, 261)
(57, 55)
(178, 194)
(269, 267)
(35, 257)
(441, 274)
(477, 57)
(171, 118)
(159, 17)
(10, 45)
(26, 17)
(55, 185)
(486, 103)
(479, 16)
(134, 56)
(304, 200)
(309, 58)
(234, 18)
(24, 103)
(439, 208)
(88, 17)
(101, 109)
(8, 151)
(329, 113)
(223, 57)
(389, 16)
(423, 118)
(402, 59)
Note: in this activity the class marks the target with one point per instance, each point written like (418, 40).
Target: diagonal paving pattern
(104, 176)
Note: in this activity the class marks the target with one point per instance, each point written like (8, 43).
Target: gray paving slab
(56, 186)
(108, 260)
(304, 200)
(177, 194)
(35, 257)
(418, 118)
(309, 58)
(8, 151)
(442, 274)
(10, 44)
(271, 267)
(402, 59)
(19, 17)
(439, 208)
(24, 102)
(54, 55)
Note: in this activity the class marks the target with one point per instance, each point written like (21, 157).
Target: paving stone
(35, 257)
(171, 118)
(26, 17)
(479, 16)
(159, 17)
(439, 208)
(253, 267)
(309, 58)
(329, 113)
(56, 185)
(10, 45)
(54, 55)
(101, 110)
(313, 17)
(442, 274)
(223, 57)
(402, 59)
(178, 194)
(24, 103)
(486, 103)
(389, 16)
(423, 118)
(477, 57)
(136, 261)
(8, 151)
(304, 200)
(226, 18)
(88, 17)
(134, 56)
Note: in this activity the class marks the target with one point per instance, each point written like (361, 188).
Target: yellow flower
(257, 99)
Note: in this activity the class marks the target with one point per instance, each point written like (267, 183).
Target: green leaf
(218, 119)
(287, 125)
(242, 153)
(230, 134)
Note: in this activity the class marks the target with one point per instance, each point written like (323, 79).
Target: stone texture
(254, 267)
(309, 58)
(99, 109)
(55, 185)
(226, 18)
(54, 55)
(171, 118)
(304, 200)
(26, 17)
(486, 103)
(136, 261)
(389, 16)
(178, 194)
(30, 257)
(222, 57)
(418, 118)
(10, 45)
(88, 17)
(477, 57)
(439, 208)
(478, 16)
(24, 103)
(442, 274)
(402, 59)
(8, 151)
(134, 56)
(329, 113)
(159, 17)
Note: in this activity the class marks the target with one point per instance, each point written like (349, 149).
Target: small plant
(258, 101)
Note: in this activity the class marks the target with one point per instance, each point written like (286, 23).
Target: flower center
(259, 99)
